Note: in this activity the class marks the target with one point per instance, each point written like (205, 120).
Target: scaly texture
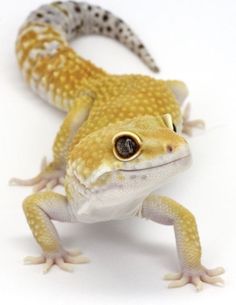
(51, 67)
(118, 143)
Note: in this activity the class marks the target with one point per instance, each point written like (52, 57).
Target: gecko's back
(61, 77)
(119, 98)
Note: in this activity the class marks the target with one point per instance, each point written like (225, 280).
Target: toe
(48, 265)
(43, 164)
(186, 113)
(24, 182)
(32, 260)
(172, 276)
(73, 252)
(179, 283)
(76, 260)
(51, 184)
(41, 185)
(212, 280)
(197, 283)
(62, 265)
(61, 180)
(216, 271)
(198, 124)
(187, 130)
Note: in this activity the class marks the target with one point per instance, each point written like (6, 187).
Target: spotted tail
(52, 68)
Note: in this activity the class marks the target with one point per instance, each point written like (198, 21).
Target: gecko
(121, 139)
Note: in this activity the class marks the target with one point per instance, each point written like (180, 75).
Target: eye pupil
(126, 147)
(174, 127)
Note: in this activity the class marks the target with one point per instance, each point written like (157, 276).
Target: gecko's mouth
(185, 160)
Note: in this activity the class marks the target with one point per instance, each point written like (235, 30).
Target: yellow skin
(101, 107)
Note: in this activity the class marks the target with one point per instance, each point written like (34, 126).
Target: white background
(194, 41)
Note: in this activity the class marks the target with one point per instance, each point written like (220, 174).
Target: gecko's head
(135, 154)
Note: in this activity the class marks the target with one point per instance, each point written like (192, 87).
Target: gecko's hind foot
(64, 260)
(189, 125)
(50, 176)
(197, 278)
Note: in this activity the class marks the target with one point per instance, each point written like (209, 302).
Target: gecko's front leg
(40, 209)
(53, 174)
(166, 211)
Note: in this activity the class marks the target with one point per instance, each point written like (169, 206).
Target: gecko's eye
(168, 122)
(126, 146)
(174, 127)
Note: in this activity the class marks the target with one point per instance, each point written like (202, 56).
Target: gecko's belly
(97, 210)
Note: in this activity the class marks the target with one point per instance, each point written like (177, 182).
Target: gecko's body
(117, 144)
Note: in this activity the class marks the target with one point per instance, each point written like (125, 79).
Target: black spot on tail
(105, 17)
(39, 15)
(77, 9)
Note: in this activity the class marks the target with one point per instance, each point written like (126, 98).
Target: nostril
(169, 148)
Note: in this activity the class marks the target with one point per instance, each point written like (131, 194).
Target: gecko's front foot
(189, 125)
(196, 277)
(63, 259)
(49, 177)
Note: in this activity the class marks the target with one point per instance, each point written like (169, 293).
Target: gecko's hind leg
(189, 125)
(53, 174)
(49, 177)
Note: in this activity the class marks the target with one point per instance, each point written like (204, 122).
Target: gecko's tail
(79, 18)
(51, 67)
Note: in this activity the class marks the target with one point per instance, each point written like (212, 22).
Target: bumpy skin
(102, 108)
